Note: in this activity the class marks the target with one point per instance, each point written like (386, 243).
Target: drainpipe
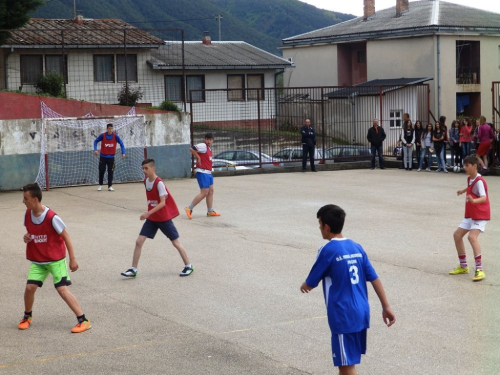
(5, 68)
(276, 75)
(439, 74)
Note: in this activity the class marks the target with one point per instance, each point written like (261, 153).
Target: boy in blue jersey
(344, 268)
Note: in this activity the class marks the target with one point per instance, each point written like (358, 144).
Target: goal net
(67, 157)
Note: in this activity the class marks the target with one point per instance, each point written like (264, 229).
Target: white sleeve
(201, 148)
(162, 190)
(58, 224)
(479, 189)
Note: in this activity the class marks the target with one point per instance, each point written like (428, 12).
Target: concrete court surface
(241, 311)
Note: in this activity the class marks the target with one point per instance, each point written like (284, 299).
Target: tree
(14, 14)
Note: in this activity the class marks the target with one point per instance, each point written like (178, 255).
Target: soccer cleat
(189, 212)
(25, 322)
(187, 271)
(129, 273)
(99, 188)
(212, 213)
(459, 270)
(479, 275)
(111, 188)
(81, 327)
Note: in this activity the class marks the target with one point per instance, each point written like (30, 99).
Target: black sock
(81, 318)
(28, 313)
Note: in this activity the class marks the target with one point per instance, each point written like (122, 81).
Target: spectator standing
(465, 137)
(376, 136)
(444, 128)
(418, 137)
(406, 118)
(308, 144)
(427, 148)
(438, 139)
(454, 141)
(485, 136)
(408, 139)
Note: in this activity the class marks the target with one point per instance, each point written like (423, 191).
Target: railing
(468, 76)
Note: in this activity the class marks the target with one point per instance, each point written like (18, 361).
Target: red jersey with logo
(46, 245)
(205, 154)
(477, 211)
(108, 146)
(169, 211)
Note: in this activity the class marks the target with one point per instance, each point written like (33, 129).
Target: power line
(191, 19)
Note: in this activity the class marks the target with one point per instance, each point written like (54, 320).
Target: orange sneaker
(25, 322)
(81, 327)
(212, 213)
(189, 212)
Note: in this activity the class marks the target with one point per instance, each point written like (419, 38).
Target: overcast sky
(356, 6)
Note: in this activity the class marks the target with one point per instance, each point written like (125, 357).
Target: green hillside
(262, 23)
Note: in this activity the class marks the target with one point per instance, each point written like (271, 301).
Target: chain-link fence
(113, 64)
(268, 121)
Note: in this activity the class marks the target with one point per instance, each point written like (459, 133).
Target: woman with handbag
(454, 139)
(427, 148)
(438, 136)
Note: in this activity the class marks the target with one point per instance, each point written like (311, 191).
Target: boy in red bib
(46, 243)
(108, 140)
(161, 210)
(477, 213)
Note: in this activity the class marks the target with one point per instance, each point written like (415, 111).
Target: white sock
(133, 269)
(188, 265)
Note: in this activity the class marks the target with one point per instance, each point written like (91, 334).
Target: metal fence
(99, 64)
(268, 120)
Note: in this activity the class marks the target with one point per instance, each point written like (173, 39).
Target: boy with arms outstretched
(46, 243)
(161, 210)
(477, 213)
(344, 268)
(203, 154)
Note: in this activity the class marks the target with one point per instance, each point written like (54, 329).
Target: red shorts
(483, 149)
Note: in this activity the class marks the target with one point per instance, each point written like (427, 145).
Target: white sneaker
(99, 188)
(111, 188)
(418, 170)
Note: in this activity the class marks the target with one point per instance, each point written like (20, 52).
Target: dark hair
(418, 122)
(34, 190)
(406, 125)
(442, 120)
(455, 122)
(149, 161)
(472, 160)
(110, 125)
(209, 136)
(332, 215)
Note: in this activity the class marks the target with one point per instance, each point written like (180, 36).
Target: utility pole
(74, 8)
(218, 18)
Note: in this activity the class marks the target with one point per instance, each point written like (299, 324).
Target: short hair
(472, 160)
(332, 215)
(406, 115)
(149, 161)
(209, 136)
(110, 125)
(34, 190)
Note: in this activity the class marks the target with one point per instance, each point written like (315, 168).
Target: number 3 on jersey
(355, 276)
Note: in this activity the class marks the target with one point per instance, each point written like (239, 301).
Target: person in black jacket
(308, 142)
(376, 135)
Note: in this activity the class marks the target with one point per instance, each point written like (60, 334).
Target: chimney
(402, 6)
(206, 38)
(79, 19)
(369, 8)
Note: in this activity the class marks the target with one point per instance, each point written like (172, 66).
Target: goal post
(67, 150)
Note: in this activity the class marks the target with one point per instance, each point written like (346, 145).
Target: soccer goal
(67, 157)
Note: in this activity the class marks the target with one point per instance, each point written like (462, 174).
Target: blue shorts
(205, 180)
(150, 228)
(348, 347)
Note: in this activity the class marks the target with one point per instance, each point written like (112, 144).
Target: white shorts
(469, 224)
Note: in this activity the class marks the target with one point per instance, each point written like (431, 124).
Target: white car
(225, 165)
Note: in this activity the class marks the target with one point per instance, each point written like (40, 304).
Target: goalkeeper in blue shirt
(344, 268)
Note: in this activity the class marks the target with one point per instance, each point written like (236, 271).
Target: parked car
(246, 158)
(293, 156)
(342, 153)
(225, 165)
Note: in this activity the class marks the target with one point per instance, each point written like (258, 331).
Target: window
(173, 88)
(228, 155)
(468, 62)
(126, 64)
(255, 81)
(361, 57)
(395, 117)
(104, 68)
(175, 92)
(297, 155)
(54, 64)
(236, 81)
(31, 69)
(195, 83)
